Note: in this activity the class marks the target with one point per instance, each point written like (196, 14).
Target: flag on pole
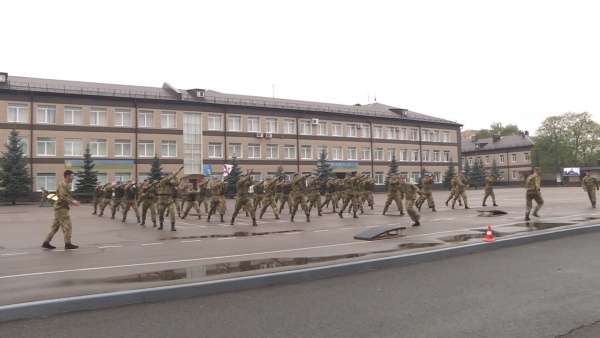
(208, 170)
(227, 169)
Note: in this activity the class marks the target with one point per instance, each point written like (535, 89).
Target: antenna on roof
(375, 98)
(273, 91)
(368, 99)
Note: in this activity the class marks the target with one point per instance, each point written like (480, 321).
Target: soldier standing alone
(590, 185)
(393, 195)
(489, 189)
(61, 213)
(533, 187)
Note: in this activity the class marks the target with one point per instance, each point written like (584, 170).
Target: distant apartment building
(125, 126)
(512, 154)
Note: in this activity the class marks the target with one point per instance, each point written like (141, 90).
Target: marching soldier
(269, 198)
(130, 200)
(175, 194)
(216, 203)
(453, 183)
(533, 186)
(259, 191)
(338, 194)
(297, 194)
(202, 195)
(286, 188)
(165, 198)
(191, 198)
(97, 197)
(590, 185)
(426, 193)
(489, 188)
(107, 194)
(393, 194)
(314, 195)
(410, 192)
(351, 194)
(61, 213)
(119, 193)
(461, 185)
(148, 196)
(367, 191)
(329, 191)
(242, 200)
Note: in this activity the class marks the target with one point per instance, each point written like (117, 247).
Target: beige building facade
(125, 126)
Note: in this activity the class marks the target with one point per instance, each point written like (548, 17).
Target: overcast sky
(474, 62)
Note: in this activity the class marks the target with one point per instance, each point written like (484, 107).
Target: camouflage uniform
(453, 183)
(202, 192)
(410, 192)
(590, 185)
(278, 188)
(286, 197)
(329, 191)
(393, 194)
(62, 219)
(119, 191)
(216, 203)
(351, 194)
(426, 193)
(298, 195)
(191, 198)
(148, 195)
(489, 189)
(107, 192)
(259, 191)
(339, 192)
(314, 195)
(533, 187)
(366, 193)
(97, 197)
(129, 200)
(165, 198)
(242, 200)
(461, 185)
(269, 198)
(175, 194)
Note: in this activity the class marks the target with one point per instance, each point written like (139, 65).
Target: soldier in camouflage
(107, 194)
(61, 213)
(393, 194)
(297, 193)
(489, 189)
(165, 198)
(533, 186)
(590, 185)
(148, 196)
(314, 195)
(216, 203)
(130, 200)
(269, 197)
(242, 200)
(410, 195)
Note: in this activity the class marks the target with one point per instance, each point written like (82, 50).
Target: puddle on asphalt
(585, 219)
(542, 226)
(235, 234)
(465, 237)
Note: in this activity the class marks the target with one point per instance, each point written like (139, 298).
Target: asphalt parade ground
(125, 259)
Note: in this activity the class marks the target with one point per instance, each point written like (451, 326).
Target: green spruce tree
(233, 178)
(87, 179)
(324, 169)
(420, 181)
(477, 176)
(15, 179)
(156, 169)
(466, 169)
(448, 175)
(393, 169)
(495, 169)
(280, 172)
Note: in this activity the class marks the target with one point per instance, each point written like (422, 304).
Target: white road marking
(193, 240)
(153, 243)
(320, 230)
(291, 233)
(222, 239)
(15, 254)
(110, 246)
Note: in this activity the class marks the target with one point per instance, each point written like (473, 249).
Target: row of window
(46, 114)
(324, 128)
(46, 146)
(501, 159)
(215, 150)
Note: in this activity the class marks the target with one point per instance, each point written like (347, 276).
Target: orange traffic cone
(489, 237)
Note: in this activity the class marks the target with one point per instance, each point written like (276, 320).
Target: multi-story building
(125, 126)
(512, 154)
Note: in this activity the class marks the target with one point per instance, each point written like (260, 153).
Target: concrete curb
(106, 300)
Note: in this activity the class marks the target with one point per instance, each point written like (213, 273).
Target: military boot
(308, 217)
(173, 226)
(222, 219)
(334, 208)
(355, 215)
(160, 227)
(124, 217)
(138, 219)
(292, 218)
(254, 222)
(184, 215)
(143, 221)
(417, 223)
(113, 216)
(320, 213)
(232, 219)
(154, 224)
(341, 214)
(466, 206)
(261, 215)
(208, 218)
(70, 246)
(448, 200)
(276, 216)
(47, 245)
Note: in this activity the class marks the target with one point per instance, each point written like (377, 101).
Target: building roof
(473, 144)
(168, 92)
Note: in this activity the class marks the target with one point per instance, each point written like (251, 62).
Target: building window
(272, 126)
(46, 114)
(414, 134)
(122, 177)
(168, 149)
(305, 127)
(437, 157)
(73, 115)
(447, 156)
(98, 147)
(320, 150)
(391, 133)
(425, 135)
(215, 122)
(322, 128)
(122, 148)
(168, 119)
(272, 151)
(46, 181)
(123, 118)
(18, 113)
(146, 119)
(73, 147)
(98, 117)
(253, 124)
(352, 153)
(234, 123)
(501, 159)
(254, 151)
(306, 152)
(103, 178)
(289, 152)
(379, 178)
(391, 154)
(366, 153)
(235, 150)
(415, 177)
(514, 175)
(350, 130)
(446, 137)
(405, 175)
(470, 160)
(378, 154)
(403, 155)
(437, 177)
(426, 156)
(435, 136)
(501, 176)
(336, 129)
(46, 146)
(513, 157)
(289, 126)
(526, 157)
(365, 131)
(377, 132)
(403, 134)
(415, 155)
(146, 148)
(337, 153)
(215, 150)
